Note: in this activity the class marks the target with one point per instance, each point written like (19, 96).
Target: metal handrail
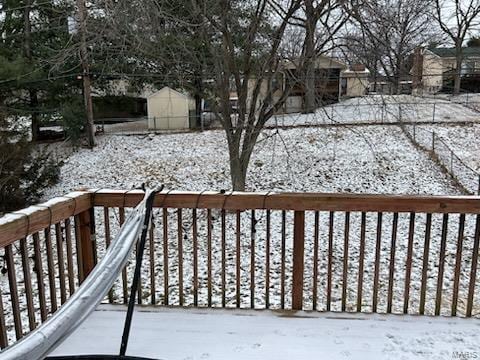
(43, 340)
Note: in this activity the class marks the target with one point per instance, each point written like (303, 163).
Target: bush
(73, 118)
(24, 173)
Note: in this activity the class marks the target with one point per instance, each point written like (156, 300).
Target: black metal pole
(136, 276)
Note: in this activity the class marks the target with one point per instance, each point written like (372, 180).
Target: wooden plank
(68, 242)
(282, 260)
(209, 257)
(165, 257)
(346, 236)
(51, 271)
(39, 271)
(121, 214)
(458, 263)
(108, 240)
(151, 244)
(267, 260)
(12, 282)
(86, 231)
(61, 263)
(298, 259)
(27, 280)
(441, 265)
(78, 248)
(408, 265)
(330, 260)
(3, 327)
(376, 270)
(195, 256)
(223, 249)
(180, 256)
(252, 259)
(315, 260)
(361, 259)
(296, 201)
(473, 269)
(426, 253)
(16, 225)
(238, 279)
(391, 270)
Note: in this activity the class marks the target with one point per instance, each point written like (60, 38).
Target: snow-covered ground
(370, 159)
(177, 334)
(382, 109)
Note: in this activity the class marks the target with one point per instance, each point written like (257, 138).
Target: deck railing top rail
(293, 201)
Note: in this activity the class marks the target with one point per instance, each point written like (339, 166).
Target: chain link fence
(467, 178)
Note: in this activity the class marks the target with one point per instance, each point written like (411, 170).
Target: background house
(354, 81)
(439, 65)
(169, 109)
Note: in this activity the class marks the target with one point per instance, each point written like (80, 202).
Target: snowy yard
(266, 335)
(382, 109)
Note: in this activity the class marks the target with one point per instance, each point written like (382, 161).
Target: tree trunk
(309, 54)
(458, 70)
(35, 120)
(238, 172)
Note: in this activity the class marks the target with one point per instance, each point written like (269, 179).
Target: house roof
(450, 52)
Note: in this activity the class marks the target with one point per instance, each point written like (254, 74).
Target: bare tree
(393, 29)
(457, 23)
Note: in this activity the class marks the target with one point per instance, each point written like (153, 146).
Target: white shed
(169, 109)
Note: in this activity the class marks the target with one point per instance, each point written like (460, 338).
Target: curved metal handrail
(43, 340)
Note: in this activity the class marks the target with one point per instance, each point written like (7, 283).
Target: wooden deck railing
(325, 252)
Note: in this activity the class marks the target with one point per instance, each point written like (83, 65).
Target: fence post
(414, 132)
(383, 113)
(298, 258)
(154, 124)
(87, 235)
(433, 140)
(433, 116)
(451, 161)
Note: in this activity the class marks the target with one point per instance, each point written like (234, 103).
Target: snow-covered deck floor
(172, 333)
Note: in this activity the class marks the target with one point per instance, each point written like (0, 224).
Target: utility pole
(82, 22)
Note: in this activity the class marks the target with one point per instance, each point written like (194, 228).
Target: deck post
(298, 259)
(87, 235)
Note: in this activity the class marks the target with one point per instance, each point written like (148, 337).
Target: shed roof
(169, 89)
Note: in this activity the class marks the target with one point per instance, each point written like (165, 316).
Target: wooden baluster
(165, 256)
(209, 257)
(441, 265)
(426, 252)
(282, 256)
(87, 240)
(391, 271)
(3, 327)
(361, 260)
(61, 263)
(151, 244)
(195, 256)
(252, 260)
(330, 260)
(267, 261)
(78, 247)
(298, 259)
(51, 271)
(108, 240)
(473, 269)
(376, 275)
(180, 256)
(238, 254)
(28, 284)
(39, 271)
(12, 281)
(315, 260)
(408, 265)
(68, 241)
(223, 245)
(458, 264)
(345, 260)
(121, 212)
